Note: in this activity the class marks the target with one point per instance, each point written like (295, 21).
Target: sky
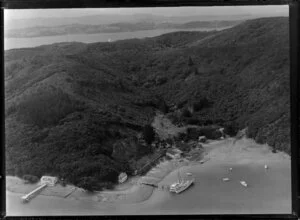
(273, 10)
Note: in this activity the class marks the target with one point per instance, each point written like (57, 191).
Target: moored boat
(244, 183)
(181, 185)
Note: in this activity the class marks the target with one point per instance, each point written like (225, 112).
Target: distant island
(41, 31)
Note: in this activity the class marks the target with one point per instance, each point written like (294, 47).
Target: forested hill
(73, 106)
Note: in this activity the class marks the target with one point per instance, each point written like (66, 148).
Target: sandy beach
(269, 189)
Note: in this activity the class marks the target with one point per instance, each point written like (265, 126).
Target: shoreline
(132, 191)
(225, 152)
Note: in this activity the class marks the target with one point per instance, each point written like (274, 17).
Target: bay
(13, 43)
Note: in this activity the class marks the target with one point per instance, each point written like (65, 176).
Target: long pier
(33, 193)
(160, 187)
(150, 184)
(147, 166)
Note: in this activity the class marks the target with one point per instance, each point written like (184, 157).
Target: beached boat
(244, 183)
(181, 185)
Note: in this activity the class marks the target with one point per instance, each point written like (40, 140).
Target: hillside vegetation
(73, 109)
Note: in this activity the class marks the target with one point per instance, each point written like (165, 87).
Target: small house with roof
(174, 153)
(202, 139)
(122, 177)
(49, 180)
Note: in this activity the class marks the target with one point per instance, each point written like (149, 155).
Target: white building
(122, 177)
(49, 180)
(222, 132)
(174, 153)
(202, 139)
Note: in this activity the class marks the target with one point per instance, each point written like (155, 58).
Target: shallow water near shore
(268, 191)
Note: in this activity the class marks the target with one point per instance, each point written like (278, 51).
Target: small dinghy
(230, 169)
(189, 174)
(266, 167)
(244, 183)
(225, 179)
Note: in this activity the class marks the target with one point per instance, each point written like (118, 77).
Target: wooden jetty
(33, 193)
(150, 184)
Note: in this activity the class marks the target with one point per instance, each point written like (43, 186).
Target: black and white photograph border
(142, 110)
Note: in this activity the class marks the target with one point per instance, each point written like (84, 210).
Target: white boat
(266, 167)
(244, 183)
(230, 169)
(189, 174)
(181, 185)
(225, 179)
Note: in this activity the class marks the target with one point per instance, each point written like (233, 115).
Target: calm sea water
(268, 192)
(11, 43)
